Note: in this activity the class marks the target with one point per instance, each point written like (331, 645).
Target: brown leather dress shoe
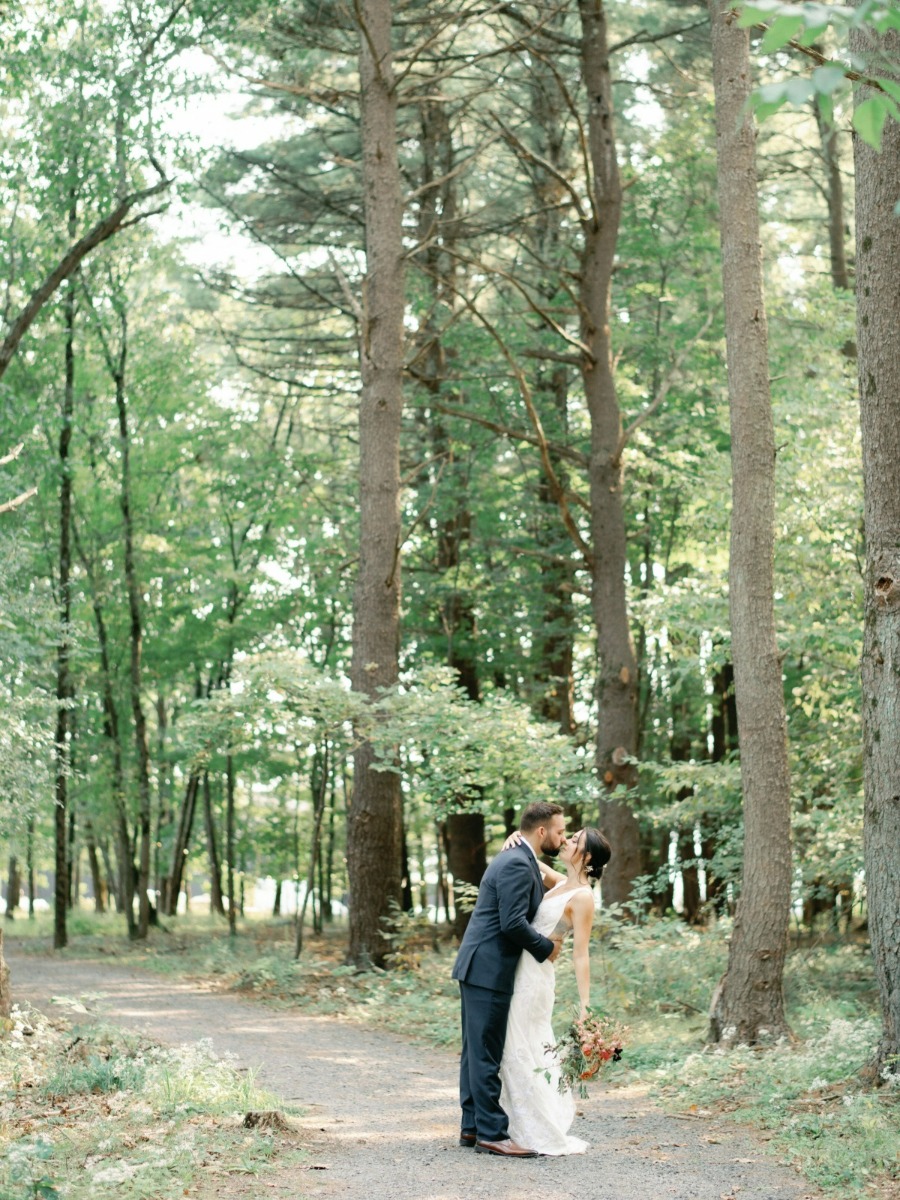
(467, 1139)
(506, 1148)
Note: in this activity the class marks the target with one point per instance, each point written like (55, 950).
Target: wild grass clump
(88, 1111)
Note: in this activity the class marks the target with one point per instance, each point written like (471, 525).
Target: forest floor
(378, 1113)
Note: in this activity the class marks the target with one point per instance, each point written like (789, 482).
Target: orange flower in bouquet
(587, 1044)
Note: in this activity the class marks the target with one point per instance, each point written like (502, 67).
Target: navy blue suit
(497, 933)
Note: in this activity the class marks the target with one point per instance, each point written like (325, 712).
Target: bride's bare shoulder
(581, 899)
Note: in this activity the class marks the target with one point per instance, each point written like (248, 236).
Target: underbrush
(806, 1096)
(88, 1111)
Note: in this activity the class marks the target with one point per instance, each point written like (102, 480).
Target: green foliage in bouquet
(587, 1044)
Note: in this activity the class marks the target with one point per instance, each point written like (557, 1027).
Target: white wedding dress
(539, 1115)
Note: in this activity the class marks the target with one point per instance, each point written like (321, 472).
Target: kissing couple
(507, 986)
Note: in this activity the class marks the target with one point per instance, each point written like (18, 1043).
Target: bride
(539, 1115)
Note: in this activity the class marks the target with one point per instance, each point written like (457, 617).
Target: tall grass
(87, 1112)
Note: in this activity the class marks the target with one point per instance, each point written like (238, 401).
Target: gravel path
(382, 1115)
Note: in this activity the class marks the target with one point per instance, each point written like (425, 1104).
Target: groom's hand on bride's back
(557, 945)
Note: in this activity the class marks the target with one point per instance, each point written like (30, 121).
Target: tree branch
(532, 304)
(17, 500)
(516, 435)
(545, 165)
(101, 232)
(644, 38)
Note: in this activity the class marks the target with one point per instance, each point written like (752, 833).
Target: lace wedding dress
(539, 1115)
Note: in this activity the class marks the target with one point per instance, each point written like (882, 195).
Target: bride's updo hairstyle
(595, 844)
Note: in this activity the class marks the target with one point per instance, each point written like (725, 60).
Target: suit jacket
(499, 928)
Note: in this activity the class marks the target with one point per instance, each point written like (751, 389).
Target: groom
(485, 968)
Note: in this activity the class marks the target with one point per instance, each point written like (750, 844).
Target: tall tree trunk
(183, 833)
(617, 732)
(132, 587)
(230, 843)
(374, 822)
(878, 311)
(72, 849)
(110, 875)
(164, 813)
(29, 867)
(328, 880)
(442, 892)
(319, 786)
(554, 659)
(749, 1001)
(97, 882)
(216, 904)
(834, 196)
(64, 686)
(13, 887)
(125, 851)
(723, 729)
(182, 843)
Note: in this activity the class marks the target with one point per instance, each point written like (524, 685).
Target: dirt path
(382, 1113)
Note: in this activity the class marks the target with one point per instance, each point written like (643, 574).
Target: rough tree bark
(374, 833)
(617, 732)
(878, 313)
(748, 1005)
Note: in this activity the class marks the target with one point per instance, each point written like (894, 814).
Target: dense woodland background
(434, 404)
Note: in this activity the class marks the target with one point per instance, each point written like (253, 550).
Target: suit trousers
(484, 1017)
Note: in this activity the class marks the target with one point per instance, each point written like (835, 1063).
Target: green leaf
(763, 111)
(755, 14)
(779, 33)
(869, 118)
(799, 90)
(891, 86)
(826, 108)
(828, 79)
(885, 19)
(772, 93)
(766, 101)
(811, 34)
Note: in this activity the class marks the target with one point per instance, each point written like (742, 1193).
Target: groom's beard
(549, 851)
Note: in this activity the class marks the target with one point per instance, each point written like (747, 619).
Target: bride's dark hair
(595, 845)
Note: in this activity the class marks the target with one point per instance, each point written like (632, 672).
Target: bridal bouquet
(586, 1045)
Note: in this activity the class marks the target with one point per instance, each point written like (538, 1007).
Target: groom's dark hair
(538, 813)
